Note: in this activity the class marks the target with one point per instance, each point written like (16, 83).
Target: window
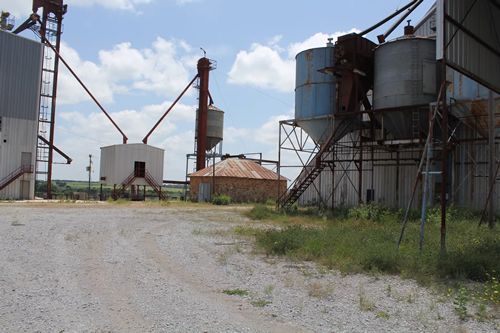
(139, 169)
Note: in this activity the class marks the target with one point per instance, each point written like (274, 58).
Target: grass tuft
(235, 292)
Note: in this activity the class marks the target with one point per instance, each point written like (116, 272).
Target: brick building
(243, 180)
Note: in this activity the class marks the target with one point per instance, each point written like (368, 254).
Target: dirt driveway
(138, 268)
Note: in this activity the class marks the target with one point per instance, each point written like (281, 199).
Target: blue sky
(137, 56)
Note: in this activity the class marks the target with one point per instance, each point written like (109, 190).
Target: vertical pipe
(492, 162)
(90, 171)
(360, 170)
(278, 167)
(201, 147)
(333, 177)
(54, 99)
(100, 194)
(423, 212)
(213, 175)
(444, 127)
(397, 178)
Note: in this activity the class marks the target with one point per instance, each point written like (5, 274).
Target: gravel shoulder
(140, 268)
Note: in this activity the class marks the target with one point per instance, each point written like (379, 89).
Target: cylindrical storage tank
(215, 126)
(315, 92)
(405, 76)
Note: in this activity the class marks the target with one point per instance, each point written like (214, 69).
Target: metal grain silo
(20, 80)
(215, 126)
(315, 92)
(405, 76)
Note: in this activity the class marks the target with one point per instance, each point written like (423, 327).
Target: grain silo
(20, 71)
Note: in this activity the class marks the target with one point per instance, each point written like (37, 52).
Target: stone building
(243, 180)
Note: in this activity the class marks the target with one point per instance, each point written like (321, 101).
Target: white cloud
(272, 66)
(263, 66)
(84, 133)
(22, 8)
(317, 40)
(160, 69)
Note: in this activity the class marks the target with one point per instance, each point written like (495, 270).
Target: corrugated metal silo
(20, 77)
(215, 126)
(405, 76)
(315, 92)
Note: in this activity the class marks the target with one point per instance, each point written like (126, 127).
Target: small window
(139, 169)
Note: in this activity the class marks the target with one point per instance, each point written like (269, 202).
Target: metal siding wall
(427, 27)
(20, 136)
(20, 73)
(117, 162)
(463, 51)
(470, 184)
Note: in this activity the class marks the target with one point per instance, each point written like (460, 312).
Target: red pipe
(85, 87)
(201, 144)
(145, 140)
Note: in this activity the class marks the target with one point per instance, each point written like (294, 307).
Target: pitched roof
(238, 168)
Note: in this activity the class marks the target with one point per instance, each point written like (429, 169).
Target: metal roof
(238, 168)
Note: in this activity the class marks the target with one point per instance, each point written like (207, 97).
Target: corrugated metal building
(130, 164)
(243, 180)
(388, 167)
(20, 78)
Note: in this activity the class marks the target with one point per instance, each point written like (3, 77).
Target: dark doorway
(139, 169)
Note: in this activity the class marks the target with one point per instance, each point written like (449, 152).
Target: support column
(492, 161)
(201, 146)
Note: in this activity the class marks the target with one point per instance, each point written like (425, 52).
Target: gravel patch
(138, 268)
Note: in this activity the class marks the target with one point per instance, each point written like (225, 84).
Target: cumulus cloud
(271, 66)
(83, 133)
(263, 66)
(22, 8)
(163, 69)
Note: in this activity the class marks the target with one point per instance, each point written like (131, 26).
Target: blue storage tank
(315, 92)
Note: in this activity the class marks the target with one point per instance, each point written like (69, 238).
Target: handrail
(15, 174)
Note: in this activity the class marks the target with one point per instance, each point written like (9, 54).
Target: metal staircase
(312, 170)
(156, 187)
(14, 175)
(118, 192)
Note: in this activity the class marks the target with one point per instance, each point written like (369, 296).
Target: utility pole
(89, 169)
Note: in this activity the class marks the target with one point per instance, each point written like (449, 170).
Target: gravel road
(139, 268)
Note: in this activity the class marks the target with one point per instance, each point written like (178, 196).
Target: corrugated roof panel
(238, 168)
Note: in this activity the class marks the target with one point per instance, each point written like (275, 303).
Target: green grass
(235, 292)
(364, 240)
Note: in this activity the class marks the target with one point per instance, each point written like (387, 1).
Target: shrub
(221, 200)
(371, 212)
(261, 212)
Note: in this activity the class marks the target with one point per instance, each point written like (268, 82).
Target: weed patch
(235, 292)
(365, 241)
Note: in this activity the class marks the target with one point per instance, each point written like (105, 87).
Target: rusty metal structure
(411, 138)
(50, 29)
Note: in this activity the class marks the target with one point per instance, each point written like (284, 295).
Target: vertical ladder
(47, 99)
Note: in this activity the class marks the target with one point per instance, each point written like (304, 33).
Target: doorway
(139, 169)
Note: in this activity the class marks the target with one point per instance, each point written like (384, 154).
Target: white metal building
(131, 164)
(20, 75)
